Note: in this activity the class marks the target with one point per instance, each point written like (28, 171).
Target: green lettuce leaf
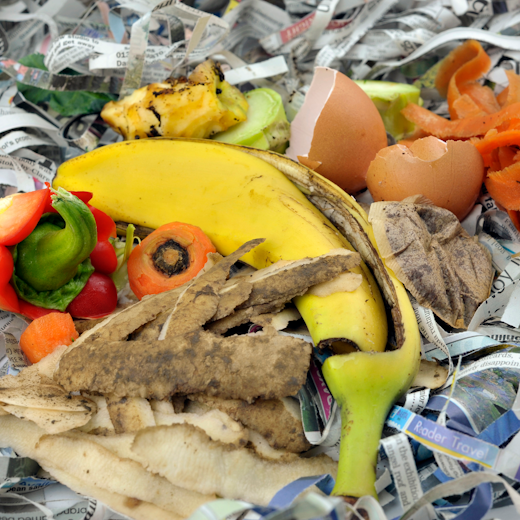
(59, 298)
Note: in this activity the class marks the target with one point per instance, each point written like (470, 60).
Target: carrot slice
(504, 186)
(46, 333)
(167, 258)
(461, 128)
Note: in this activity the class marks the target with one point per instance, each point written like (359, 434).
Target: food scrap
(315, 343)
(44, 334)
(136, 368)
(51, 266)
(337, 131)
(199, 106)
(444, 268)
(490, 121)
(168, 258)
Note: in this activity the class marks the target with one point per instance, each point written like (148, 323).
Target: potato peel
(186, 359)
(186, 456)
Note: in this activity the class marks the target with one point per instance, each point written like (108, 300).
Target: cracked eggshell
(337, 131)
(450, 174)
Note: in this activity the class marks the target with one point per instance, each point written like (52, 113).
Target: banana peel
(233, 197)
(365, 382)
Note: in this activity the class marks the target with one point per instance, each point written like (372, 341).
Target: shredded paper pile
(448, 453)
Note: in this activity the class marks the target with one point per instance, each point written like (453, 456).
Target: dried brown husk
(129, 414)
(444, 268)
(34, 397)
(197, 362)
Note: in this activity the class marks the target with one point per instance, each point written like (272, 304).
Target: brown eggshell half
(338, 131)
(449, 174)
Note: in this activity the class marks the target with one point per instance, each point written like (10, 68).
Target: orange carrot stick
(167, 258)
(44, 334)
(504, 186)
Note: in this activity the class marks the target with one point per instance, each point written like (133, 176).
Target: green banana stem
(365, 386)
(49, 257)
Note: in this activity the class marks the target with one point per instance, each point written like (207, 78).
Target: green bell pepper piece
(50, 256)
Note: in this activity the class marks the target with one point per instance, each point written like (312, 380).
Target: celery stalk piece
(266, 126)
(120, 275)
(390, 99)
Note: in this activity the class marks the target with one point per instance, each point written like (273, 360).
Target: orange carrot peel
(491, 122)
(457, 77)
(460, 128)
(495, 140)
(504, 186)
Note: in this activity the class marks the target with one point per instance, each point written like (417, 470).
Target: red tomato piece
(97, 299)
(19, 214)
(104, 258)
(33, 312)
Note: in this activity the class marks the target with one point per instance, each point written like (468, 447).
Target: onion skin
(448, 174)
